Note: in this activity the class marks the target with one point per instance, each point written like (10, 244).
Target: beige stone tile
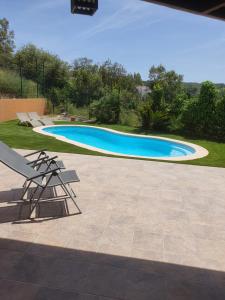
(58, 240)
(118, 250)
(122, 219)
(83, 244)
(173, 258)
(150, 226)
(21, 236)
(146, 240)
(117, 235)
(212, 252)
(148, 254)
(204, 231)
(150, 211)
(180, 245)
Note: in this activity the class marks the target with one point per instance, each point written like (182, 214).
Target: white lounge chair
(48, 178)
(25, 120)
(43, 120)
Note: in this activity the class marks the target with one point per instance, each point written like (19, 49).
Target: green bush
(160, 120)
(175, 124)
(146, 114)
(78, 111)
(206, 108)
(198, 116)
(107, 109)
(158, 98)
(129, 118)
(220, 118)
(189, 117)
(129, 99)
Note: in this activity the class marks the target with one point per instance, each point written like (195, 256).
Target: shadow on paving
(12, 209)
(33, 271)
(30, 271)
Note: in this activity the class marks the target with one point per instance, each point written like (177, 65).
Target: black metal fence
(15, 82)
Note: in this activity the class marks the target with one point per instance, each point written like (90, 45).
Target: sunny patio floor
(149, 230)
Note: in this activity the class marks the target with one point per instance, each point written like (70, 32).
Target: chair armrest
(42, 151)
(42, 159)
(43, 174)
(50, 159)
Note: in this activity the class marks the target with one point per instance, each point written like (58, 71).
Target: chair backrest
(17, 163)
(35, 123)
(5, 147)
(23, 117)
(47, 121)
(34, 116)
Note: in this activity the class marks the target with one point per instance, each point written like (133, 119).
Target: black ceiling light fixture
(84, 7)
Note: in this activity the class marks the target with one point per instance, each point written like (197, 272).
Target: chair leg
(39, 196)
(67, 208)
(68, 191)
(26, 187)
(72, 191)
(37, 201)
(70, 194)
(33, 194)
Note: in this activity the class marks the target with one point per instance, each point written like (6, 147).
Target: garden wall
(9, 107)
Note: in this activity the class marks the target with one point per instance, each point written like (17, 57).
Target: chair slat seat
(66, 176)
(44, 166)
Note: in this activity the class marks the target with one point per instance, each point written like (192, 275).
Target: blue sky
(132, 32)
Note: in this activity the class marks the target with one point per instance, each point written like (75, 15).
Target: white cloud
(129, 12)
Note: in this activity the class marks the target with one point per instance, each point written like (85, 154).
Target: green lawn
(22, 137)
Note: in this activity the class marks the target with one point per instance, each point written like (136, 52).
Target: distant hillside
(197, 86)
(192, 84)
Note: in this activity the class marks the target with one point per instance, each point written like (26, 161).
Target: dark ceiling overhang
(209, 8)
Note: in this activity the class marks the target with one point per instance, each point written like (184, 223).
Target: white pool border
(199, 151)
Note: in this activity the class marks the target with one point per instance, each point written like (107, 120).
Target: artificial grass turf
(22, 137)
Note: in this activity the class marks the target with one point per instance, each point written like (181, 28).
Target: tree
(220, 118)
(146, 114)
(137, 79)
(129, 100)
(48, 70)
(189, 117)
(55, 97)
(158, 97)
(167, 95)
(156, 74)
(178, 104)
(198, 116)
(112, 74)
(7, 43)
(85, 87)
(192, 89)
(84, 63)
(107, 109)
(169, 81)
(206, 107)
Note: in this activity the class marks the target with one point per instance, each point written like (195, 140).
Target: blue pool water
(120, 143)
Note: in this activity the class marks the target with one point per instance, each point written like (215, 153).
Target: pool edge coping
(199, 151)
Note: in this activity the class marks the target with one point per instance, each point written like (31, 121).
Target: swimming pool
(117, 143)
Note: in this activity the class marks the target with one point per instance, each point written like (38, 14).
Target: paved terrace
(149, 230)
